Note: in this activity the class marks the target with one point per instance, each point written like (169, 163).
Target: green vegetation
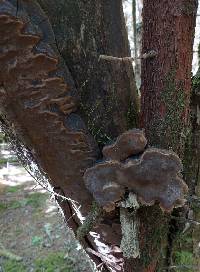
(184, 259)
(92, 123)
(13, 189)
(36, 240)
(2, 138)
(174, 98)
(17, 204)
(183, 252)
(18, 231)
(54, 262)
(14, 266)
(156, 236)
(5, 160)
(3, 207)
(35, 200)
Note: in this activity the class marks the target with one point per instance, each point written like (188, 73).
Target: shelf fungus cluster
(39, 99)
(154, 175)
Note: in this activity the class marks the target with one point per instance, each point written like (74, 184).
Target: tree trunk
(84, 30)
(168, 29)
(43, 112)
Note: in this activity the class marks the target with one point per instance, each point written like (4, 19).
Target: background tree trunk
(168, 29)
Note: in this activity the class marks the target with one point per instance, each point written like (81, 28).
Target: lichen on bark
(129, 226)
(90, 221)
(174, 99)
(168, 128)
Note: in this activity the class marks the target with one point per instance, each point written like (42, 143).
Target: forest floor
(32, 228)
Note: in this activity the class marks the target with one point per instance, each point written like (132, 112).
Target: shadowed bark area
(168, 29)
(188, 243)
(84, 30)
(193, 167)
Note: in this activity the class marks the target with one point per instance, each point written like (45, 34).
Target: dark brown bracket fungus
(154, 176)
(129, 143)
(39, 100)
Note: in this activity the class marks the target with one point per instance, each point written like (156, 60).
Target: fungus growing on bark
(155, 176)
(129, 143)
(38, 101)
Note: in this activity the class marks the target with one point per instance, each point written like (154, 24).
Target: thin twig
(186, 220)
(182, 267)
(150, 54)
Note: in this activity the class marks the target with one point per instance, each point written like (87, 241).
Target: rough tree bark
(168, 29)
(84, 30)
